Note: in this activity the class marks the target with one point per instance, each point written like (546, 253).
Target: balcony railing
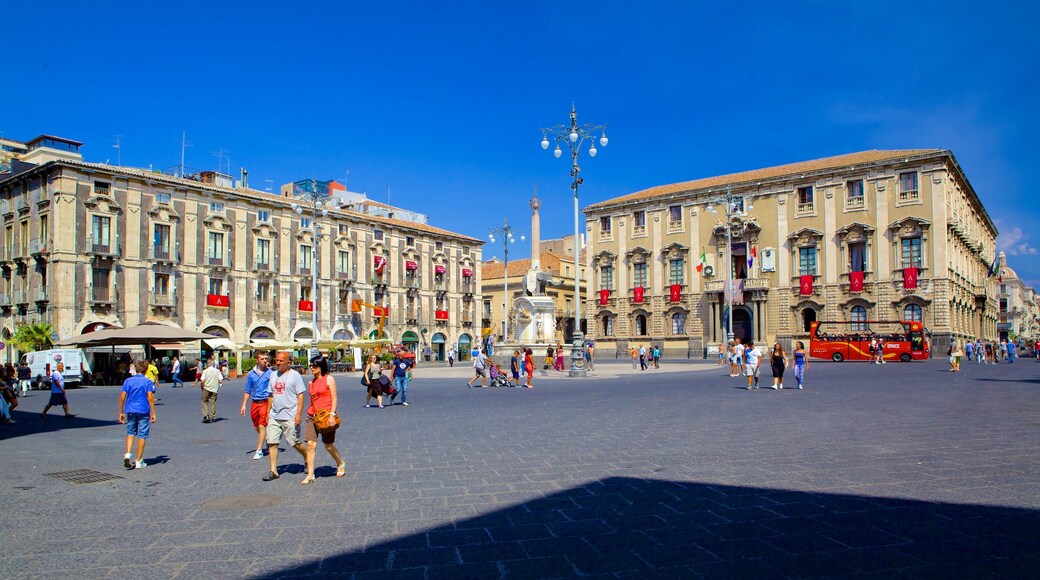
(21, 296)
(468, 287)
(39, 294)
(264, 305)
(911, 195)
(160, 253)
(5, 299)
(262, 266)
(854, 202)
(99, 247)
(303, 269)
(215, 261)
(806, 207)
(38, 248)
(348, 276)
(380, 279)
(101, 295)
(163, 299)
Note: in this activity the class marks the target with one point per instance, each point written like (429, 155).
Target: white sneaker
(405, 404)
(258, 455)
(140, 465)
(127, 462)
(781, 385)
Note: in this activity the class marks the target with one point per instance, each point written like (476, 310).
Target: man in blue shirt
(402, 376)
(137, 412)
(258, 389)
(57, 393)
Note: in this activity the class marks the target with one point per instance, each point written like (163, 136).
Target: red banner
(380, 264)
(604, 295)
(910, 278)
(306, 305)
(439, 270)
(381, 311)
(805, 284)
(855, 282)
(411, 266)
(218, 300)
(675, 292)
(441, 314)
(637, 294)
(467, 273)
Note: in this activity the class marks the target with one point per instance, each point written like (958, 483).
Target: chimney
(245, 177)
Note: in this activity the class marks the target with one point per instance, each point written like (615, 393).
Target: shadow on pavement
(30, 423)
(633, 527)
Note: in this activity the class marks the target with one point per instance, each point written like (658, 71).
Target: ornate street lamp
(506, 233)
(315, 196)
(734, 206)
(574, 137)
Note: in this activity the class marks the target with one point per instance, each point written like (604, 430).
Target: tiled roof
(493, 269)
(846, 161)
(261, 195)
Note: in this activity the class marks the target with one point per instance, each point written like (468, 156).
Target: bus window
(916, 341)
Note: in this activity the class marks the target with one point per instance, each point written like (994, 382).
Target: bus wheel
(837, 357)
(904, 357)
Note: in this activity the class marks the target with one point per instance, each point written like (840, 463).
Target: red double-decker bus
(850, 340)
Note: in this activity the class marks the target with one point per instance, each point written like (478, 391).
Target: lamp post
(734, 206)
(315, 195)
(574, 137)
(506, 233)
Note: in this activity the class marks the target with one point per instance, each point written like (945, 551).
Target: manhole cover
(252, 501)
(78, 476)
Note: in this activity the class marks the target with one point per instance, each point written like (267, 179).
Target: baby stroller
(498, 378)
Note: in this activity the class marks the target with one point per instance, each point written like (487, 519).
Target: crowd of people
(643, 358)
(745, 360)
(988, 352)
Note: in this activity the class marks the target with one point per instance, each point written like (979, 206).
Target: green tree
(33, 337)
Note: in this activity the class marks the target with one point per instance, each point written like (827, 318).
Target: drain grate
(79, 476)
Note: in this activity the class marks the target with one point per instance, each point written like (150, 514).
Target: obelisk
(535, 204)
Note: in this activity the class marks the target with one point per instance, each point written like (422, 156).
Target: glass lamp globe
(558, 152)
(592, 151)
(545, 142)
(603, 140)
(574, 136)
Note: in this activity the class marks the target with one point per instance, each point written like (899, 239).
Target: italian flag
(700, 261)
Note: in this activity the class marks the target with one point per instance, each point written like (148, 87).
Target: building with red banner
(864, 236)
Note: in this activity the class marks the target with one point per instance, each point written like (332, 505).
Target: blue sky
(442, 102)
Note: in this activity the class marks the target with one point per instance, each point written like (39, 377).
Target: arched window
(912, 312)
(608, 326)
(641, 325)
(679, 323)
(859, 319)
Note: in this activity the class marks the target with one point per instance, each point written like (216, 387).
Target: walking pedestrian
(642, 358)
(722, 354)
(657, 357)
(778, 362)
(373, 370)
(211, 380)
(514, 368)
(451, 357)
(322, 391)
(137, 412)
(199, 369)
(738, 357)
(175, 372)
(402, 376)
(1011, 346)
(286, 404)
(801, 362)
(57, 393)
(529, 366)
(590, 356)
(152, 372)
(257, 392)
(752, 364)
(559, 358)
(24, 378)
(479, 369)
(635, 357)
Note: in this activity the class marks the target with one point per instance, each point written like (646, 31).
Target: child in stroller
(498, 378)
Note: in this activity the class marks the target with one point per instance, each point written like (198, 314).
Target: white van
(43, 362)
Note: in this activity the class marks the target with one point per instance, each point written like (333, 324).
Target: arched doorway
(742, 324)
(375, 335)
(808, 317)
(303, 335)
(216, 331)
(341, 334)
(437, 342)
(410, 340)
(465, 343)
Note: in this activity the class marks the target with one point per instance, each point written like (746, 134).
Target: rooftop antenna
(222, 155)
(346, 175)
(268, 184)
(184, 144)
(119, 151)
(388, 194)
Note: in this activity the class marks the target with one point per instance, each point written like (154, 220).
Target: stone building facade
(87, 244)
(875, 235)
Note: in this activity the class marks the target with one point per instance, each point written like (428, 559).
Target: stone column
(535, 204)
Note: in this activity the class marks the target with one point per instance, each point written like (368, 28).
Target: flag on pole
(994, 267)
(751, 257)
(700, 261)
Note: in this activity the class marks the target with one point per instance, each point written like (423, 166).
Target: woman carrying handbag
(322, 392)
(370, 379)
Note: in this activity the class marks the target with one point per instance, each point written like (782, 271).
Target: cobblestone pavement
(894, 470)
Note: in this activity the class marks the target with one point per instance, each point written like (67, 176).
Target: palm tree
(33, 337)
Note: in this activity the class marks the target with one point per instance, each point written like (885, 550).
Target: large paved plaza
(894, 470)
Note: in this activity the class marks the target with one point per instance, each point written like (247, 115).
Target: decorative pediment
(305, 235)
(603, 258)
(379, 249)
(410, 253)
(638, 255)
(439, 258)
(265, 229)
(217, 221)
(674, 251)
(102, 203)
(909, 226)
(855, 232)
(805, 237)
(164, 213)
(740, 226)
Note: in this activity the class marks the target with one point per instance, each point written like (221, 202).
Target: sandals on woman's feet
(307, 480)
(341, 470)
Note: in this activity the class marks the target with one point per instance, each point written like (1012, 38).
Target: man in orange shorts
(257, 391)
